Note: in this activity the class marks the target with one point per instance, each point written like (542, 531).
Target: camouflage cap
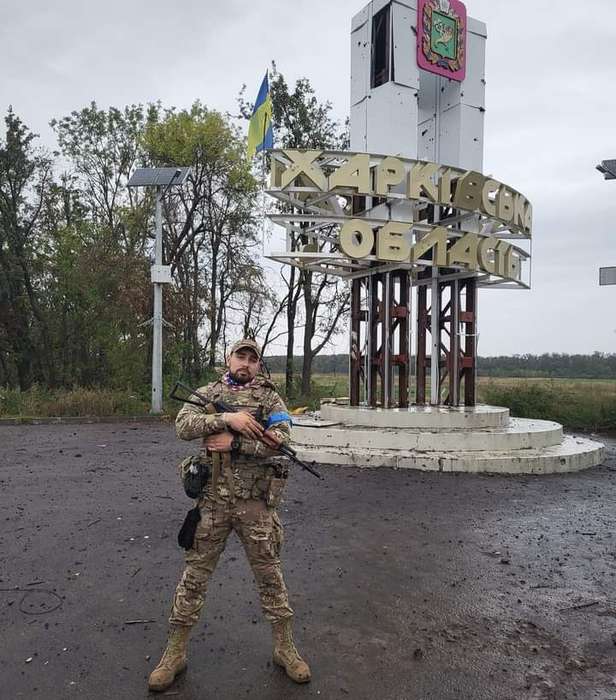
(246, 343)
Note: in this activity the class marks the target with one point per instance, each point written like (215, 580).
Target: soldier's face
(243, 365)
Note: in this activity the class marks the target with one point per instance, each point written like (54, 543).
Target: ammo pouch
(194, 474)
(274, 492)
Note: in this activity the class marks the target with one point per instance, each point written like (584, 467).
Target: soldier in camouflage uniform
(244, 489)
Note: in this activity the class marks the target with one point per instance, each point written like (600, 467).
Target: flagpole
(263, 161)
(261, 146)
(263, 204)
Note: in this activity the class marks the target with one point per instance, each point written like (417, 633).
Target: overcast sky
(551, 114)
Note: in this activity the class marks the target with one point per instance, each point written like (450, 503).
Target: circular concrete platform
(519, 434)
(481, 439)
(432, 417)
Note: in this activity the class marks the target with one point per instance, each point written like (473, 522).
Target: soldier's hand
(244, 423)
(219, 442)
(271, 439)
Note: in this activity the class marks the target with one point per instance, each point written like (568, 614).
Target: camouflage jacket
(194, 422)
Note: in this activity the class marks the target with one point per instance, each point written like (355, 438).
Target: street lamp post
(607, 275)
(162, 179)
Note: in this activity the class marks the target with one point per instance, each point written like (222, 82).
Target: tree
(301, 121)
(210, 228)
(101, 244)
(104, 146)
(25, 177)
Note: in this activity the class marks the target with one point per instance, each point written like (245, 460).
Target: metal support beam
(435, 338)
(355, 358)
(157, 321)
(373, 322)
(469, 361)
(404, 323)
(422, 327)
(387, 345)
(454, 346)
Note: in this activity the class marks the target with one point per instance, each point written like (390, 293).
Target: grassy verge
(579, 404)
(323, 386)
(43, 403)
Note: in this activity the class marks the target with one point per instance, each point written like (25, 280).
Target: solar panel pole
(157, 321)
(162, 179)
(607, 275)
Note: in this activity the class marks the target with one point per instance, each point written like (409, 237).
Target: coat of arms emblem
(441, 37)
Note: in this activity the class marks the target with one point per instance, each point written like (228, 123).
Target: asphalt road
(406, 585)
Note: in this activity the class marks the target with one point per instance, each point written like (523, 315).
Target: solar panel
(607, 275)
(608, 169)
(150, 177)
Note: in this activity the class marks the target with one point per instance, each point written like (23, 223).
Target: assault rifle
(223, 407)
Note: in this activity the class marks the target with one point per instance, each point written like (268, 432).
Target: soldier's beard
(243, 378)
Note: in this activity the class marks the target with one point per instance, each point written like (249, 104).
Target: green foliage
(576, 405)
(322, 386)
(300, 120)
(25, 175)
(104, 146)
(41, 402)
(211, 251)
(550, 365)
(75, 252)
(598, 365)
(202, 138)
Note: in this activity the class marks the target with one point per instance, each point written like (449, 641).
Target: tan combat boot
(286, 655)
(173, 661)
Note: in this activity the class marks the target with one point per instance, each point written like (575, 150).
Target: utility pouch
(194, 474)
(275, 491)
(186, 535)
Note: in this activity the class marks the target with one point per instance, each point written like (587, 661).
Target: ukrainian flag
(260, 132)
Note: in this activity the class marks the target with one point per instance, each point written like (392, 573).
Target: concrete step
(520, 433)
(430, 417)
(573, 454)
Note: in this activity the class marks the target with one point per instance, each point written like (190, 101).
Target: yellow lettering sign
(488, 204)
(302, 165)
(422, 181)
(504, 204)
(356, 238)
(436, 241)
(355, 174)
(391, 242)
(464, 251)
(469, 191)
(389, 172)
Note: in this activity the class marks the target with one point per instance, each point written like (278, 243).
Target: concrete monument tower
(408, 219)
(418, 91)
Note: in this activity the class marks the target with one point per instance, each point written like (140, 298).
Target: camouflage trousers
(260, 532)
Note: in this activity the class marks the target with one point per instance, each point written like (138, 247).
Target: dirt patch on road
(406, 585)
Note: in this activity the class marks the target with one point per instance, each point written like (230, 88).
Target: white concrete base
(520, 446)
(432, 417)
(517, 435)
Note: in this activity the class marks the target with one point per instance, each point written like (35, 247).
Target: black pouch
(195, 475)
(186, 535)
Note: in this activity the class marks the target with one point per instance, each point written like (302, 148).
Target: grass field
(579, 404)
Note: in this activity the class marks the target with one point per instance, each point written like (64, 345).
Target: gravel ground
(406, 585)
